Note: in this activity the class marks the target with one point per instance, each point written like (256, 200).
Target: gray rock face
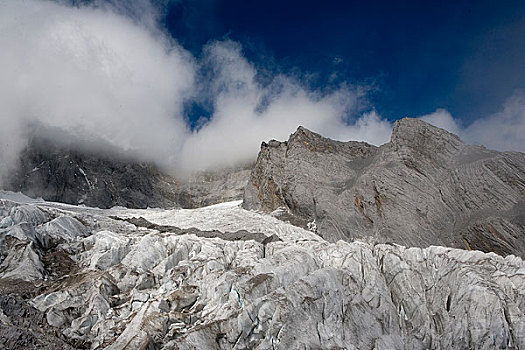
(62, 174)
(135, 287)
(214, 186)
(425, 187)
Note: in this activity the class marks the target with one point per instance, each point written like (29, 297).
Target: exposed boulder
(425, 187)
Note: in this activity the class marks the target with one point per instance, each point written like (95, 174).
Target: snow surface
(224, 217)
(18, 197)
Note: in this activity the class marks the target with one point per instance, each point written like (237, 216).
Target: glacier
(94, 280)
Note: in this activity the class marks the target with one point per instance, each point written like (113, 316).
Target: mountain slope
(65, 174)
(425, 187)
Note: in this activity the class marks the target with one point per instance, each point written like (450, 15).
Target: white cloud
(442, 119)
(503, 131)
(247, 113)
(109, 80)
(91, 74)
(114, 81)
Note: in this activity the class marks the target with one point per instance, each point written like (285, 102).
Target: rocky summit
(350, 246)
(424, 187)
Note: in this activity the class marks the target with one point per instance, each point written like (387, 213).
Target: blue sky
(193, 85)
(463, 56)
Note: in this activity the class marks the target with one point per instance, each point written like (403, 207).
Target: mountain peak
(417, 132)
(424, 141)
(424, 187)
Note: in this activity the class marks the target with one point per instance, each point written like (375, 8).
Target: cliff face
(62, 174)
(425, 187)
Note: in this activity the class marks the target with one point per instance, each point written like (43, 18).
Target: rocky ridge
(127, 286)
(425, 187)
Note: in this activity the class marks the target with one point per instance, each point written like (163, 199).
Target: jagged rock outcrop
(425, 187)
(134, 287)
(63, 174)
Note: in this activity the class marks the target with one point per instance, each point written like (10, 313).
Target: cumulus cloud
(104, 75)
(444, 120)
(91, 74)
(247, 112)
(503, 131)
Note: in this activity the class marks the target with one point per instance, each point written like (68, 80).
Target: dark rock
(241, 235)
(26, 328)
(64, 174)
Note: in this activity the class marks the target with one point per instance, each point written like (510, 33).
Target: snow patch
(18, 197)
(224, 217)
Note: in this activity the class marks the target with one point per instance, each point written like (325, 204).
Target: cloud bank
(89, 74)
(106, 76)
(246, 112)
(503, 131)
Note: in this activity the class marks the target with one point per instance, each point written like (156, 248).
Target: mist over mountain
(145, 202)
(96, 75)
